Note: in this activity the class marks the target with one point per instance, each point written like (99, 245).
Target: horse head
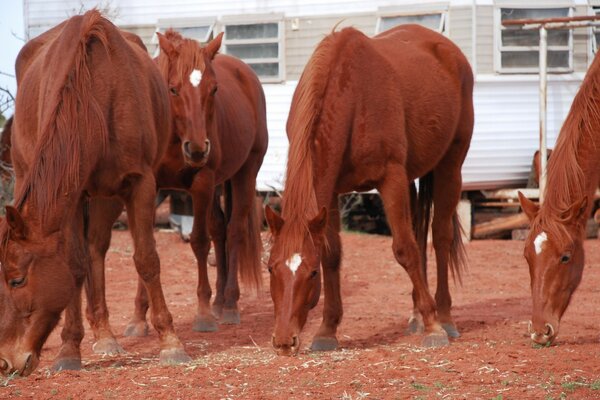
(295, 279)
(35, 288)
(554, 252)
(187, 69)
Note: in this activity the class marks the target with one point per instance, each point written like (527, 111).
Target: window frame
(594, 10)
(181, 23)
(443, 28)
(280, 40)
(499, 48)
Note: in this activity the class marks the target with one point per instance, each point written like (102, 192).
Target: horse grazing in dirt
(372, 113)
(91, 121)
(554, 246)
(219, 138)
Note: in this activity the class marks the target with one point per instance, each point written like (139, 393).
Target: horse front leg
(140, 205)
(326, 339)
(218, 226)
(69, 355)
(202, 192)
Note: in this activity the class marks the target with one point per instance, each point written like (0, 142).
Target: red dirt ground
(493, 359)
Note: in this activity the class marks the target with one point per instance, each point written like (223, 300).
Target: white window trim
(498, 48)
(443, 28)
(280, 40)
(593, 45)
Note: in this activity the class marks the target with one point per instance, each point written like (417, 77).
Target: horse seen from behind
(372, 113)
(554, 246)
(91, 122)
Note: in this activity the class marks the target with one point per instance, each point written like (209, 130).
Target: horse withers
(372, 113)
(554, 246)
(91, 122)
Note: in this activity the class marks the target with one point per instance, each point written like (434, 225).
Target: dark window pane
(267, 70)
(254, 31)
(261, 50)
(530, 59)
(431, 21)
(519, 37)
(528, 13)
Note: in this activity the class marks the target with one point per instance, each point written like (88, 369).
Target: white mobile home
(277, 37)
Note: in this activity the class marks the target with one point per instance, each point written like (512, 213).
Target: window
(518, 50)
(259, 45)
(595, 32)
(435, 21)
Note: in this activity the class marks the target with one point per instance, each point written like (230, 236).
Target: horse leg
(218, 226)
(446, 195)
(202, 192)
(69, 355)
(102, 215)
(396, 201)
(415, 322)
(137, 325)
(325, 339)
(140, 212)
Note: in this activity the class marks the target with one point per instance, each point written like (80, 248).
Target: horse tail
(250, 266)
(458, 254)
(71, 122)
(421, 206)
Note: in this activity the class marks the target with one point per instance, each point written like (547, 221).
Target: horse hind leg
(102, 214)
(396, 200)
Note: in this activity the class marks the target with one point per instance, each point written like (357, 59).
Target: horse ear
(577, 210)
(529, 207)
(15, 222)
(274, 221)
(213, 46)
(166, 45)
(317, 225)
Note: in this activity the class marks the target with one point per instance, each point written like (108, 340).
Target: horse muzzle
(24, 364)
(194, 154)
(286, 347)
(543, 338)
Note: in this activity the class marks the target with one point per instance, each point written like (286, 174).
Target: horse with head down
(554, 246)
(91, 122)
(372, 113)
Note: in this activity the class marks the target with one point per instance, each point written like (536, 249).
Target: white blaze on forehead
(539, 241)
(195, 77)
(294, 262)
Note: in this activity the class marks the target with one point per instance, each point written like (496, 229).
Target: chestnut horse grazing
(371, 113)
(554, 246)
(91, 121)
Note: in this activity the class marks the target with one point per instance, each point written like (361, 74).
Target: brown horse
(554, 246)
(91, 121)
(371, 113)
(219, 139)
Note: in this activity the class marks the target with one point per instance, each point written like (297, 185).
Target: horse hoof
(415, 326)
(67, 364)
(217, 310)
(324, 343)
(451, 330)
(174, 356)
(230, 317)
(138, 329)
(107, 346)
(436, 339)
(205, 325)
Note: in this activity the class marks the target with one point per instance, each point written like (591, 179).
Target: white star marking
(539, 241)
(195, 77)
(294, 262)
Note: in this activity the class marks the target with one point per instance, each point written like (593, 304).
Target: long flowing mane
(299, 200)
(69, 118)
(576, 142)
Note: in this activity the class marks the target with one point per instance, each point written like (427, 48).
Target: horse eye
(17, 282)
(213, 91)
(174, 91)
(313, 273)
(565, 258)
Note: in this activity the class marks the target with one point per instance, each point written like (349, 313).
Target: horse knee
(147, 265)
(407, 254)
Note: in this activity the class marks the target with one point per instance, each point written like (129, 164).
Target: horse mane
(69, 117)
(565, 174)
(190, 56)
(299, 201)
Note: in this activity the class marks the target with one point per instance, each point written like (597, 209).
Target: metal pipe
(543, 89)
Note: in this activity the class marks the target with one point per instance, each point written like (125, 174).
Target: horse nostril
(3, 365)
(295, 342)
(549, 330)
(186, 148)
